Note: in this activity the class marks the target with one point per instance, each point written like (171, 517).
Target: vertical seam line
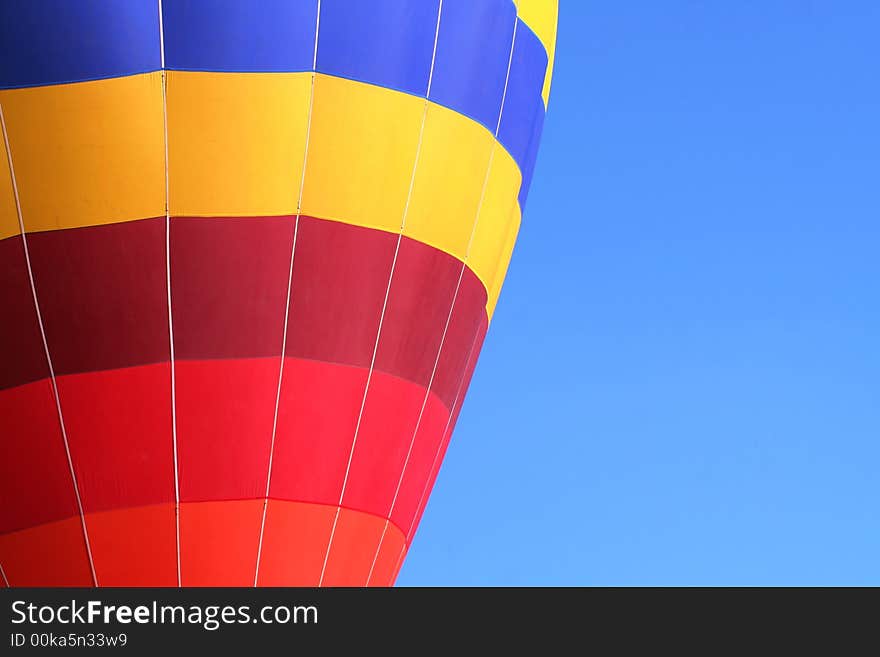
(168, 290)
(27, 258)
(387, 290)
(302, 182)
(452, 305)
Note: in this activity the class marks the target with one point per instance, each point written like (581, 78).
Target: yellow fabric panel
(361, 150)
(542, 17)
(499, 211)
(503, 261)
(449, 180)
(8, 214)
(236, 142)
(88, 153)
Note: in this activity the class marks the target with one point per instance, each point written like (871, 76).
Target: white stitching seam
(168, 290)
(287, 303)
(27, 258)
(387, 292)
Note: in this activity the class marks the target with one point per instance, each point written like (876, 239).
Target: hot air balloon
(249, 252)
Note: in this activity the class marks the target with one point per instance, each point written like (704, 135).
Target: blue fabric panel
(54, 41)
(528, 164)
(240, 35)
(473, 49)
(523, 105)
(382, 42)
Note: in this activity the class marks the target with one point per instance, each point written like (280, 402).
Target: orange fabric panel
(218, 542)
(294, 543)
(53, 554)
(354, 545)
(134, 547)
(385, 569)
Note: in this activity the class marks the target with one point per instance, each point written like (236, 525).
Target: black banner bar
(419, 620)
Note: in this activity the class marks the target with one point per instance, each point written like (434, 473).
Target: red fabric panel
(229, 285)
(35, 482)
(134, 547)
(224, 427)
(21, 346)
(340, 274)
(421, 460)
(119, 430)
(218, 542)
(49, 555)
(386, 430)
(102, 294)
(294, 543)
(316, 424)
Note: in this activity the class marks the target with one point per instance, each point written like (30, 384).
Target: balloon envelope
(248, 255)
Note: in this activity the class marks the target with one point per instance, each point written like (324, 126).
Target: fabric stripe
(53, 554)
(102, 295)
(358, 41)
(294, 528)
(119, 429)
(221, 455)
(382, 42)
(35, 482)
(8, 214)
(524, 107)
(21, 347)
(229, 285)
(218, 542)
(239, 157)
(102, 291)
(134, 546)
(472, 52)
(88, 153)
(224, 426)
(239, 35)
(52, 41)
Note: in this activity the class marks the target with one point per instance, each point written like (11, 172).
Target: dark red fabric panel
(229, 285)
(468, 316)
(35, 482)
(386, 431)
(316, 424)
(419, 301)
(224, 427)
(119, 430)
(102, 294)
(22, 354)
(340, 274)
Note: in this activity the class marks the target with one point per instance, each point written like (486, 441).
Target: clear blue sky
(681, 385)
